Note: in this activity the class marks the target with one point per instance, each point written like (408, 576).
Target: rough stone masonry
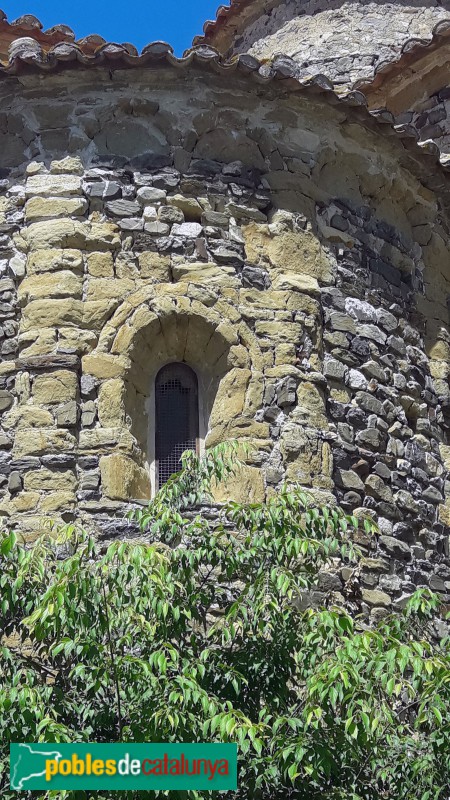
(286, 245)
(347, 40)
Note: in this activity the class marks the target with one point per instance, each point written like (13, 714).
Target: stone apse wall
(346, 40)
(283, 244)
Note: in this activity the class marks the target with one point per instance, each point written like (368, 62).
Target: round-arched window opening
(176, 418)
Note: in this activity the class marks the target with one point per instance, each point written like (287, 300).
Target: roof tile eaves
(30, 25)
(282, 70)
(223, 15)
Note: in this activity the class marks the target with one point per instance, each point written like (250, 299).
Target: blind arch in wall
(176, 418)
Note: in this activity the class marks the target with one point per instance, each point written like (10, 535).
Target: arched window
(176, 418)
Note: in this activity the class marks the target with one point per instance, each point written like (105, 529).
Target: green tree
(201, 631)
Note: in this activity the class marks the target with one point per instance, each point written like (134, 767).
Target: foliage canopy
(200, 632)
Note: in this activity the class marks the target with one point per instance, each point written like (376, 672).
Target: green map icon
(27, 764)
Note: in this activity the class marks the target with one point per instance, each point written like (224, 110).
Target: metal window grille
(176, 425)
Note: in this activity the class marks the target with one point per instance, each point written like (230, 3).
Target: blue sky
(135, 21)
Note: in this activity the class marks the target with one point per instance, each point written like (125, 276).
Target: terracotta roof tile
(224, 26)
(30, 26)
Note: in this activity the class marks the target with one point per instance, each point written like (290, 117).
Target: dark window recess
(176, 425)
